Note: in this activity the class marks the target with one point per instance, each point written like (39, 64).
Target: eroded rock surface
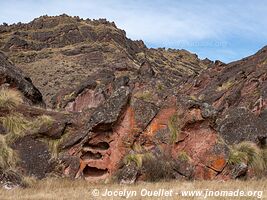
(61, 52)
(121, 109)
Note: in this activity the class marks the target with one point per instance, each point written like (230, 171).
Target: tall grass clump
(174, 127)
(8, 157)
(10, 99)
(251, 154)
(18, 126)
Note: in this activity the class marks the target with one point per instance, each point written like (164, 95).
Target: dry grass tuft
(17, 125)
(225, 86)
(44, 120)
(8, 157)
(158, 168)
(174, 127)
(183, 156)
(251, 154)
(10, 99)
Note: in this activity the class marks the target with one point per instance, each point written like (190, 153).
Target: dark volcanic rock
(239, 125)
(34, 156)
(128, 174)
(144, 112)
(108, 114)
(11, 75)
(54, 131)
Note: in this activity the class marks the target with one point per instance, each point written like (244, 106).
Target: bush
(10, 99)
(157, 168)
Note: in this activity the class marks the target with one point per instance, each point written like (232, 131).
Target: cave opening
(89, 155)
(98, 146)
(94, 172)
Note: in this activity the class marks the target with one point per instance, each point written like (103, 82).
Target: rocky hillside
(119, 110)
(61, 52)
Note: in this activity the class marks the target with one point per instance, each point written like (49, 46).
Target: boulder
(240, 124)
(34, 156)
(11, 75)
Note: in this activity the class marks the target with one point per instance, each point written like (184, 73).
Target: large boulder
(240, 124)
(13, 77)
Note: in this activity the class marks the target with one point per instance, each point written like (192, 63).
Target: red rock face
(100, 156)
(200, 146)
(122, 94)
(160, 121)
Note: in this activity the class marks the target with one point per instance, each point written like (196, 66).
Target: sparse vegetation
(17, 125)
(160, 87)
(193, 97)
(201, 97)
(174, 128)
(69, 96)
(10, 99)
(138, 148)
(158, 168)
(29, 181)
(145, 95)
(54, 144)
(249, 153)
(8, 157)
(154, 167)
(183, 156)
(225, 86)
(136, 158)
(43, 120)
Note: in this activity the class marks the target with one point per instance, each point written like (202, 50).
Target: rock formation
(119, 109)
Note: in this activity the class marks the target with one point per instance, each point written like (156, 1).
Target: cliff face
(124, 110)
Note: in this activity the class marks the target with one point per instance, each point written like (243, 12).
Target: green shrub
(136, 158)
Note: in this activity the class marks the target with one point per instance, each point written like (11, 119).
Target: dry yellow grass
(10, 99)
(56, 189)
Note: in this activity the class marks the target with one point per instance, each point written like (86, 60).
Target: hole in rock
(98, 146)
(90, 155)
(93, 171)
